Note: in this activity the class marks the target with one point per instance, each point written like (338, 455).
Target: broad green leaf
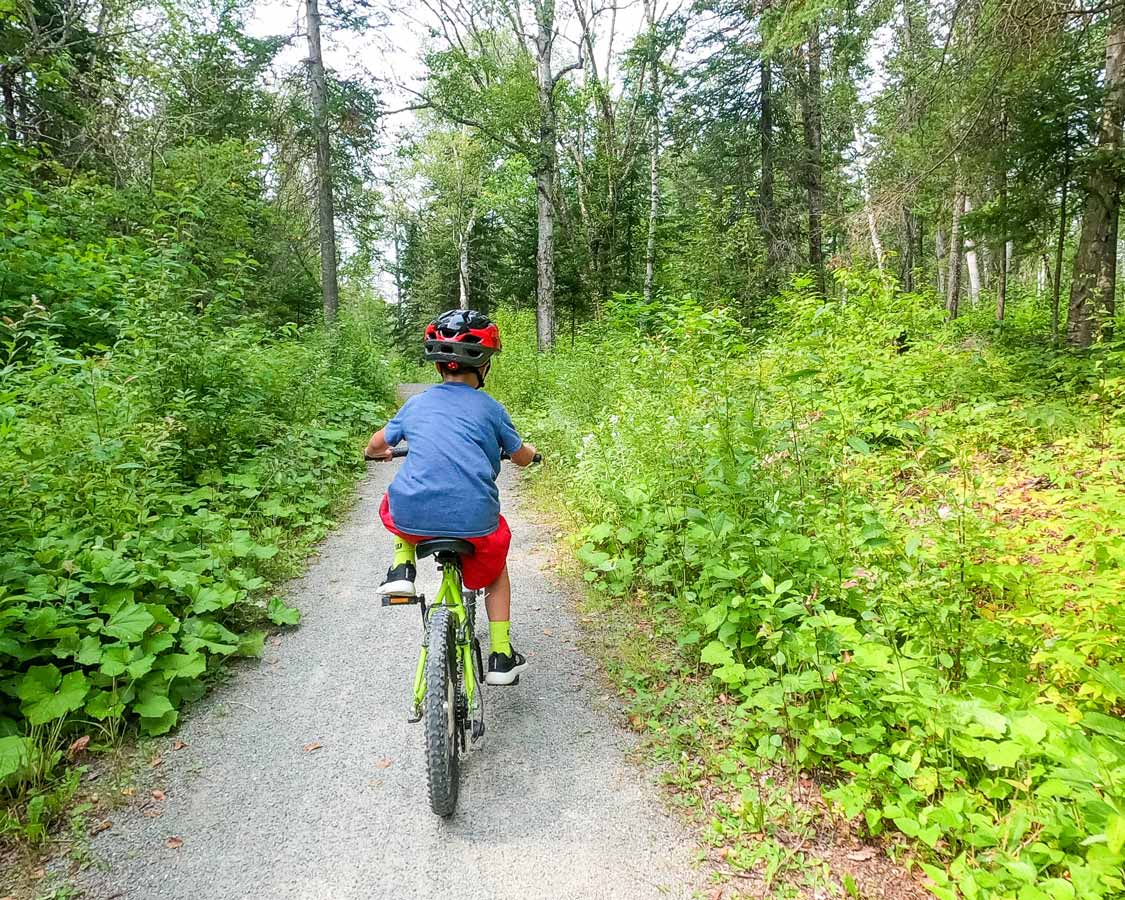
(281, 614)
(46, 694)
(153, 706)
(15, 755)
(129, 623)
(717, 653)
(1004, 754)
(183, 665)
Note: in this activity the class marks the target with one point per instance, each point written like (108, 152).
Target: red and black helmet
(463, 337)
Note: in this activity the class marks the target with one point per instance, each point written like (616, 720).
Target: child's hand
(379, 457)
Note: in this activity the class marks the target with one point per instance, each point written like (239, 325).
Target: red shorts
(477, 571)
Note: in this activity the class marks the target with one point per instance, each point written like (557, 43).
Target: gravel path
(550, 808)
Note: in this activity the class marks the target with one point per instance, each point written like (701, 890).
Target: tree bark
(972, 264)
(1095, 262)
(953, 282)
(654, 154)
(7, 84)
(319, 98)
(766, 209)
(869, 210)
(545, 168)
(1060, 247)
(939, 255)
(463, 259)
(811, 116)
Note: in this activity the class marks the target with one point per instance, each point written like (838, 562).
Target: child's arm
(377, 447)
(525, 456)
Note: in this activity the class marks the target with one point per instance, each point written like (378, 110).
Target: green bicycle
(448, 696)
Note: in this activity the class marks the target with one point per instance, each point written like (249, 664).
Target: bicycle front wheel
(439, 713)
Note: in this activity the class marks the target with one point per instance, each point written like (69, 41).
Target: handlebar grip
(537, 458)
(396, 453)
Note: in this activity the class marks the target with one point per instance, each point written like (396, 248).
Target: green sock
(499, 640)
(404, 552)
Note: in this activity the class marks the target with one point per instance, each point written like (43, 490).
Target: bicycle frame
(450, 595)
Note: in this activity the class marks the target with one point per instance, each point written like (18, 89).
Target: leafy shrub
(906, 567)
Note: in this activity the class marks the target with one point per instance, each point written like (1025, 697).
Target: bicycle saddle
(444, 545)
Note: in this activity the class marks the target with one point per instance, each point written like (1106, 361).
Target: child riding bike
(447, 485)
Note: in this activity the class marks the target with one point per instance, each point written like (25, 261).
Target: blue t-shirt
(447, 484)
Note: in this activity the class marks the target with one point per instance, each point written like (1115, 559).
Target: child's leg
(404, 552)
(498, 602)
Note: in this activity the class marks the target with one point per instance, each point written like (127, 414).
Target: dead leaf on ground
(156, 761)
(862, 854)
(153, 813)
(178, 745)
(99, 827)
(548, 632)
(78, 746)
(384, 763)
(174, 843)
(128, 792)
(315, 745)
(158, 795)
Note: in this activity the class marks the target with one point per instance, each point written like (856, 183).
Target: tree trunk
(319, 98)
(463, 259)
(1064, 223)
(972, 264)
(654, 154)
(810, 108)
(7, 84)
(545, 169)
(869, 210)
(907, 274)
(939, 255)
(765, 194)
(956, 248)
(1095, 262)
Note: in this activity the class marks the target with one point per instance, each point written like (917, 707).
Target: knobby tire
(439, 714)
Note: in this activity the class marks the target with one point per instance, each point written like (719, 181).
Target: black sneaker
(505, 669)
(400, 581)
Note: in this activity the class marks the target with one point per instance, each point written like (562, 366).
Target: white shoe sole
(504, 678)
(398, 589)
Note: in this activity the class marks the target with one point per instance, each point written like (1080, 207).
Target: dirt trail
(550, 808)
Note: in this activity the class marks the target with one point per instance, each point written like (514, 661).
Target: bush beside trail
(901, 571)
(167, 453)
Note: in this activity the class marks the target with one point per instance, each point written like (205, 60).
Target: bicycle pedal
(478, 729)
(392, 600)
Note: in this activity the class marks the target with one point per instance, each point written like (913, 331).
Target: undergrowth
(897, 564)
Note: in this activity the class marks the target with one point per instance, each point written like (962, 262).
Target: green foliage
(904, 568)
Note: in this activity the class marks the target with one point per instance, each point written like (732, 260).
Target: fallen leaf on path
(78, 746)
(158, 795)
(39, 873)
(275, 642)
(636, 721)
(548, 632)
(174, 843)
(128, 792)
(101, 826)
(157, 761)
(153, 813)
(315, 745)
(384, 763)
(862, 854)
(178, 745)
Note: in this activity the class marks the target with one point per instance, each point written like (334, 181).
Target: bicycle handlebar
(400, 452)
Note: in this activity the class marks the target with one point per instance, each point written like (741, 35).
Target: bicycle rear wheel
(440, 712)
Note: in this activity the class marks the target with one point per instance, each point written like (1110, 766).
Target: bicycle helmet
(461, 337)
